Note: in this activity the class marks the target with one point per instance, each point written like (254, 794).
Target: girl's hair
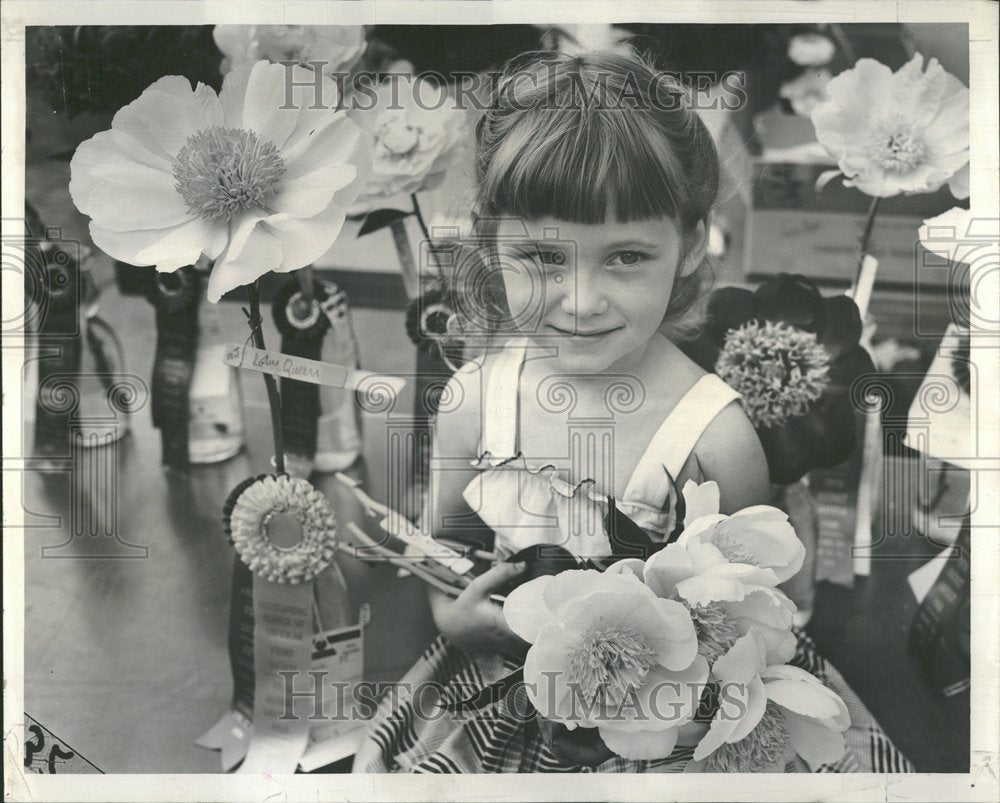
(580, 138)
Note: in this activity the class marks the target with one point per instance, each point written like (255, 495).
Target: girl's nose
(583, 297)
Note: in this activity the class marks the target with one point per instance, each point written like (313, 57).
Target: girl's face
(596, 292)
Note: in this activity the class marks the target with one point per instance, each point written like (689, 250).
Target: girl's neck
(640, 362)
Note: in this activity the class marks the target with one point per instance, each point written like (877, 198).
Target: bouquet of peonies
(689, 646)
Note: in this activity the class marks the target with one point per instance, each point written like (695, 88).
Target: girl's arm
(730, 453)
(472, 621)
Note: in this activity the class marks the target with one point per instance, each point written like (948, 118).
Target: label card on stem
(306, 370)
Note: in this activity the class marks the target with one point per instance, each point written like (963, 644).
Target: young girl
(596, 186)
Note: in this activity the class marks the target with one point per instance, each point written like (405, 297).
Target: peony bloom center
(221, 172)
(734, 549)
(778, 369)
(759, 750)
(716, 630)
(610, 663)
(399, 138)
(896, 148)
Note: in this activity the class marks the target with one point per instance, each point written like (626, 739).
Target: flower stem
(423, 228)
(273, 399)
(866, 236)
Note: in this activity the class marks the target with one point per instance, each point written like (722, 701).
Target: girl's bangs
(581, 167)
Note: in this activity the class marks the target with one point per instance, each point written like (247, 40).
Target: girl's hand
(473, 621)
(578, 747)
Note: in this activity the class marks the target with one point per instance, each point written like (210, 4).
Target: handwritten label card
(305, 370)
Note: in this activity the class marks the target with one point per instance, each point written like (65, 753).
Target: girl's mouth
(593, 334)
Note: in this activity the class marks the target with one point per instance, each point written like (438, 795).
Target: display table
(128, 578)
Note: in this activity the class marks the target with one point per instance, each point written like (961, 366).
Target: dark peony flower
(793, 355)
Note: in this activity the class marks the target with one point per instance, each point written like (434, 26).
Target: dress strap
(500, 404)
(676, 438)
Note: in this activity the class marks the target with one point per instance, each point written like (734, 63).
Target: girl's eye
(556, 258)
(627, 258)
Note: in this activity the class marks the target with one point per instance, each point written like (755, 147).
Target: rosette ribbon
(284, 532)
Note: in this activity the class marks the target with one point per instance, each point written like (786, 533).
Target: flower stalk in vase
(273, 397)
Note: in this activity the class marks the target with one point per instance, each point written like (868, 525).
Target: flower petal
(700, 500)
(666, 568)
(959, 184)
(265, 105)
(816, 743)
(704, 588)
(310, 194)
(627, 565)
(525, 610)
(671, 698)
(639, 745)
(790, 299)
(566, 588)
(742, 662)
(168, 112)
(807, 697)
(169, 249)
(125, 196)
(303, 241)
(546, 675)
(766, 533)
(756, 702)
(250, 254)
(841, 326)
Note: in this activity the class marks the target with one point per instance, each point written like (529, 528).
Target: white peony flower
(240, 177)
(608, 653)
(768, 713)
(891, 133)
(414, 129)
(807, 91)
(339, 47)
(724, 569)
(811, 49)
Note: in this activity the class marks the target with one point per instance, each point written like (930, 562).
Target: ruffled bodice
(528, 502)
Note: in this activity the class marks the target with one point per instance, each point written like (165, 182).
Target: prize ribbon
(284, 532)
(176, 297)
(301, 336)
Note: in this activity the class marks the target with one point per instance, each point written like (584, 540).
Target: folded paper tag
(282, 621)
(305, 370)
(337, 667)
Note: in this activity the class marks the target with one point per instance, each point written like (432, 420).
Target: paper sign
(282, 649)
(305, 370)
(338, 666)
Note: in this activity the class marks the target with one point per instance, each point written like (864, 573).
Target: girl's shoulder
(728, 449)
(461, 408)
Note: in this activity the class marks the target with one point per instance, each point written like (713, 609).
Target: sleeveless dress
(526, 503)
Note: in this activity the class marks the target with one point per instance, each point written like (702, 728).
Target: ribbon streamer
(175, 297)
(301, 336)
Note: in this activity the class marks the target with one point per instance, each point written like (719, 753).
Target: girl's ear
(696, 244)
